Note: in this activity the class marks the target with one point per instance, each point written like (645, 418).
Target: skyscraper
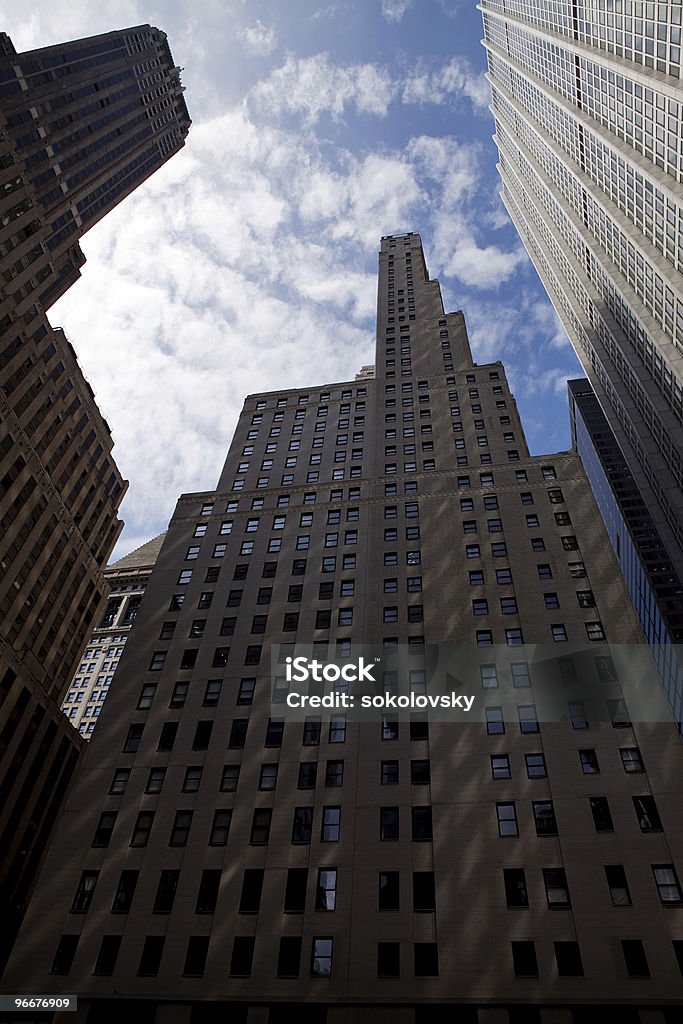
(228, 856)
(126, 579)
(588, 108)
(81, 125)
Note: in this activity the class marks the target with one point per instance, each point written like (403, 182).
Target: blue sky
(249, 261)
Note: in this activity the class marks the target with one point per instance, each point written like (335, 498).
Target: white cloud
(258, 38)
(393, 10)
(445, 84)
(312, 86)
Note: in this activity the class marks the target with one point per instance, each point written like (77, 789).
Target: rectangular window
(242, 956)
(524, 961)
(516, 894)
(618, 885)
(556, 888)
(544, 817)
(507, 819)
(260, 826)
(220, 828)
(321, 957)
(85, 890)
(181, 828)
(302, 826)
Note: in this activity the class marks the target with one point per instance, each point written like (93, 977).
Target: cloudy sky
(249, 261)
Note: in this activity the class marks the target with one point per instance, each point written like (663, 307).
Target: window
(507, 819)
(480, 606)
(558, 631)
(334, 773)
(568, 959)
(274, 733)
(119, 781)
(421, 823)
(142, 828)
(544, 817)
(64, 954)
(618, 885)
(424, 891)
(516, 894)
(388, 959)
(619, 713)
(212, 692)
(499, 550)
(104, 828)
(537, 544)
(524, 962)
(595, 631)
(472, 551)
(589, 762)
(528, 722)
(157, 661)
(331, 824)
(500, 766)
(230, 778)
(631, 760)
(150, 959)
(647, 814)
(202, 735)
(556, 889)
(508, 605)
(107, 955)
(635, 959)
(238, 733)
(220, 827)
(544, 572)
(155, 780)
(577, 715)
(388, 893)
(514, 637)
(295, 891)
(181, 828)
(420, 774)
(326, 889)
(242, 956)
(602, 817)
(321, 957)
(535, 766)
(551, 600)
(388, 823)
(192, 780)
(503, 576)
(667, 884)
(426, 959)
(494, 721)
(389, 773)
(85, 890)
(302, 826)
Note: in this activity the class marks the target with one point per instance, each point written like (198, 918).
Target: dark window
(419, 773)
(568, 958)
(524, 960)
(242, 956)
(212, 693)
(133, 738)
(388, 823)
(181, 828)
(388, 894)
(424, 891)
(516, 894)
(230, 778)
(252, 886)
(289, 957)
(107, 955)
(166, 890)
(150, 959)
(556, 889)
(207, 897)
(667, 884)
(125, 890)
(167, 736)
(388, 959)
(142, 829)
(302, 825)
(260, 826)
(311, 732)
(64, 954)
(618, 885)
(635, 959)
(238, 733)
(295, 890)
(421, 823)
(602, 818)
(334, 773)
(647, 814)
(274, 733)
(589, 762)
(426, 959)
(84, 893)
(104, 828)
(195, 957)
(202, 735)
(544, 817)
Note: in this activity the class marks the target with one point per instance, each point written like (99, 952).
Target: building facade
(89, 687)
(588, 105)
(225, 856)
(79, 129)
(655, 587)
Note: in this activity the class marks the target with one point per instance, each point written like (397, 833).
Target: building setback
(81, 125)
(588, 107)
(127, 579)
(224, 858)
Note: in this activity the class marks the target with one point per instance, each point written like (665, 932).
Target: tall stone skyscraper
(588, 107)
(226, 855)
(81, 125)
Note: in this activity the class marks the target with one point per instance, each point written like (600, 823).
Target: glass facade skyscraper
(588, 108)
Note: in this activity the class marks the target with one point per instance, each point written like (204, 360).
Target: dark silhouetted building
(81, 125)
